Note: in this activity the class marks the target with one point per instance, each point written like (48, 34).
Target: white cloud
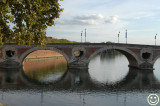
(82, 20)
(112, 19)
(93, 19)
(88, 17)
(77, 22)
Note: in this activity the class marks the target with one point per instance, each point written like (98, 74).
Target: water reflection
(157, 69)
(9, 77)
(45, 71)
(80, 79)
(108, 67)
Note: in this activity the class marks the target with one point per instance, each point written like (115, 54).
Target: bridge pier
(10, 64)
(143, 66)
(146, 66)
(79, 65)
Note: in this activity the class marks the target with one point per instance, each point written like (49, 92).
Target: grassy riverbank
(43, 55)
(43, 58)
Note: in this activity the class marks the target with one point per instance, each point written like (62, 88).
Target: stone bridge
(139, 56)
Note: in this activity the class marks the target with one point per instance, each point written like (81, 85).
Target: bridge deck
(97, 44)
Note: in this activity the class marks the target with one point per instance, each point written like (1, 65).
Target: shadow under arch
(131, 56)
(44, 48)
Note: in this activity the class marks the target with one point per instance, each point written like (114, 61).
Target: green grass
(43, 58)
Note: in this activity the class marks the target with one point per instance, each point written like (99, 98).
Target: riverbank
(37, 65)
(43, 55)
(43, 58)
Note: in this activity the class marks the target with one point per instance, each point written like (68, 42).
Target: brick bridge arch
(131, 56)
(26, 53)
(155, 59)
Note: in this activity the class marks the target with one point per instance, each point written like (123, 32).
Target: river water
(108, 82)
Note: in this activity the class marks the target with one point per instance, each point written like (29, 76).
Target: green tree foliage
(29, 20)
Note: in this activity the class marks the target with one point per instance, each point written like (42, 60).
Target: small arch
(131, 56)
(10, 53)
(78, 53)
(146, 55)
(45, 48)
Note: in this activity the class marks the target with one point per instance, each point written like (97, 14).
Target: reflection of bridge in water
(79, 79)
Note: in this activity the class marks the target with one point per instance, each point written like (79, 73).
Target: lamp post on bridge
(118, 36)
(155, 39)
(126, 36)
(81, 36)
(85, 35)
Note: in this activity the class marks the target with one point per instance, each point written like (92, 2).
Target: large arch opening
(110, 66)
(156, 66)
(44, 66)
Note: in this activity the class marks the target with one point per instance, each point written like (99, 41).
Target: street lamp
(81, 36)
(118, 36)
(85, 35)
(155, 39)
(126, 36)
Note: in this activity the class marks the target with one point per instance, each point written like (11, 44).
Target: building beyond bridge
(139, 56)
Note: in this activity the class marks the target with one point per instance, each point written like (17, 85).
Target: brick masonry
(12, 53)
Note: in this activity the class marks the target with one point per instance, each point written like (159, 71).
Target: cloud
(112, 19)
(88, 17)
(77, 22)
(93, 19)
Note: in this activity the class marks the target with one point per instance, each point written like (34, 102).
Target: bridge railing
(96, 44)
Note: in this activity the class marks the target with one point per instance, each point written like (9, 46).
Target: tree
(26, 21)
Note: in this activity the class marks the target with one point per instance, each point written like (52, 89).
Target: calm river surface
(108, 82)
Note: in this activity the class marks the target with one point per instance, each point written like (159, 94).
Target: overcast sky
(103, 20)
